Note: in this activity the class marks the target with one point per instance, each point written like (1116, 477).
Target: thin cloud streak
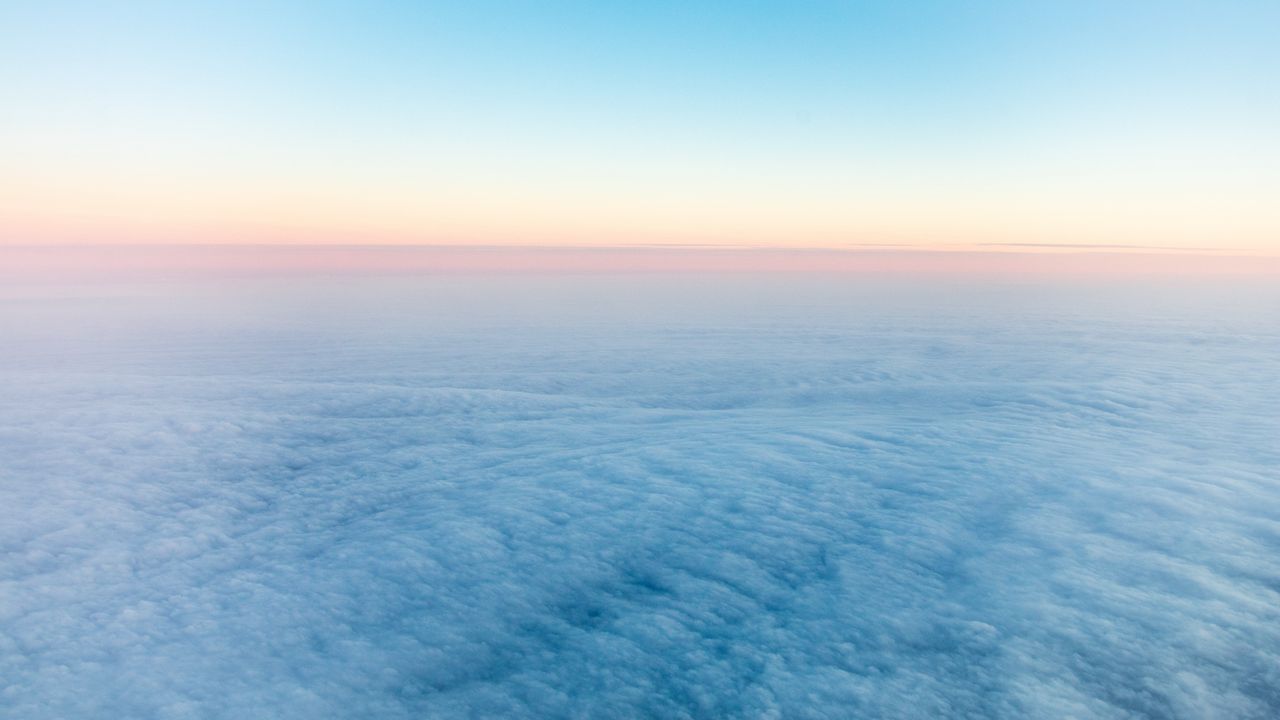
(44, 263)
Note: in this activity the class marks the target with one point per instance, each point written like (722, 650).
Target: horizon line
(851, 248)
(45, 263)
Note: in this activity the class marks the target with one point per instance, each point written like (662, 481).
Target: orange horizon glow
(123, 212)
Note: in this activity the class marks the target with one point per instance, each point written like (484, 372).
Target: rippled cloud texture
(639, 497)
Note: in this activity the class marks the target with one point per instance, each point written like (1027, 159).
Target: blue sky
(926, 123)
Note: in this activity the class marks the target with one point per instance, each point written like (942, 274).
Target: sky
(972, 125)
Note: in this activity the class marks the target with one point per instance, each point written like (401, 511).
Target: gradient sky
(814, 124)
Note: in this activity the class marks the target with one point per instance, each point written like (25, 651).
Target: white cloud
(824, 502)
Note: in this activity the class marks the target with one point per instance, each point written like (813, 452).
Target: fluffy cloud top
(642, 498)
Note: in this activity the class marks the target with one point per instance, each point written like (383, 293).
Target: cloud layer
(639, 498)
